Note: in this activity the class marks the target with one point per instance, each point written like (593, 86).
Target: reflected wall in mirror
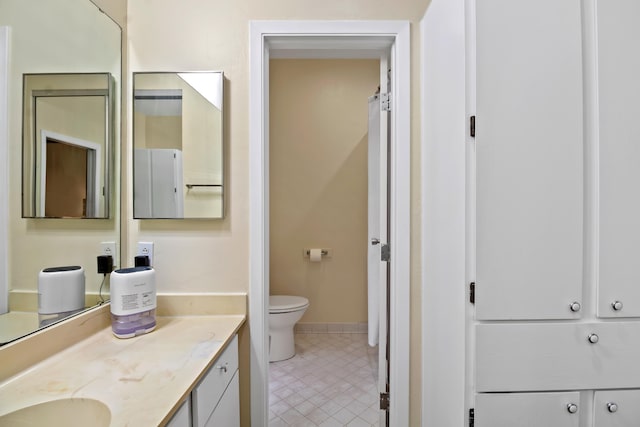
(53, 37)
(66, 151)
(178, 145)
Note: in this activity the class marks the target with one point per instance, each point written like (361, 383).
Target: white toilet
(284, 312)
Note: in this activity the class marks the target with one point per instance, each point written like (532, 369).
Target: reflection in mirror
(56, 37)
(178, 145)
(66, 145)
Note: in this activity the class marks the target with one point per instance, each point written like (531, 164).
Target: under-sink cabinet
(215, 400)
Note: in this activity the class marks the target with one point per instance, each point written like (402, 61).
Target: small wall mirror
(66, 151)
(178, 145)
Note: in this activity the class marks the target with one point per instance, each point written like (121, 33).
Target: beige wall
(212, 256)
(318, 183)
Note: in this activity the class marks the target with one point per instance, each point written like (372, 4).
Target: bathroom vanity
(185, 373)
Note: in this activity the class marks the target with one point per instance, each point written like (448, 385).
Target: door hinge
(472, 292)
(385, 253)
(472, 126)
(472, 416)
(385, 102)
(384, 401)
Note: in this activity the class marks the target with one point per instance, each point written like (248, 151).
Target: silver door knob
(375, 241)
(612, 407)
(616, 305)
(572, 408)
(575, 306)
(593, 338)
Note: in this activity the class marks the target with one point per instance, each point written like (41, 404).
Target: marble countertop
(142, 380)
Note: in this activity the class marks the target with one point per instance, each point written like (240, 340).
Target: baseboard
(331, 328)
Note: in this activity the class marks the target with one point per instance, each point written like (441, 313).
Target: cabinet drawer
(527, 409)
(207, 394)
(556, 356)
(616, 408)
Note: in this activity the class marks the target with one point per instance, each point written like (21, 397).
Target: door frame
(347, 39)
(94, 169)
(4, 169)
(446, 101)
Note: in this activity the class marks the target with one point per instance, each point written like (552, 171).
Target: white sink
(63, 412)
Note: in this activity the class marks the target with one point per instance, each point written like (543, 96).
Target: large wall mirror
(63, 79)
(67, 125)
(178, 145)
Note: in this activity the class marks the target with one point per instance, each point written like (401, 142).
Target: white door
(378, 232)
(618, 61)
(529, 157)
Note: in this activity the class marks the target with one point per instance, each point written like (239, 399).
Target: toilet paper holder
(324, 252)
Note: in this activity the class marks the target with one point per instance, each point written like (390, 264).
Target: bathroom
(436, 302)
(318, 156)
(215, 252)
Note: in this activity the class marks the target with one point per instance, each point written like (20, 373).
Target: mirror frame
(30, 207)
(188, 186)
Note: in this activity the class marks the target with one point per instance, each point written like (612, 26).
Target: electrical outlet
(108, 248)
(146, 248)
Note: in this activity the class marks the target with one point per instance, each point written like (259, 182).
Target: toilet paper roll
(315, 255)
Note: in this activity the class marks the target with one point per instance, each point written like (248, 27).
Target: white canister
(133, 301)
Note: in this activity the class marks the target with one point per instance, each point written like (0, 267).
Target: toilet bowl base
(281, 345)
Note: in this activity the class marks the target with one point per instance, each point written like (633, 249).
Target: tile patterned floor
(330, 382)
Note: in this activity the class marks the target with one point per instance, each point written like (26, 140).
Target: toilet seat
(286, 303)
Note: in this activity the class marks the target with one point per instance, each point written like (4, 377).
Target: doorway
(322, 39)
(321, 133)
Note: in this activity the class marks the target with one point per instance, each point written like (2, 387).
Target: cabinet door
(182, 417)
(527, 409)
(209, 391)
(227, 412)
(619, 110)
(529, 154)
(557, 356)
(616, 408)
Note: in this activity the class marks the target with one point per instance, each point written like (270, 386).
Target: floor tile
(330, 382)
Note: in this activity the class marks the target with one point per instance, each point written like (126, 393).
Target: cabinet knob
(575, 306)
(593, 338)
(222, 368)
(616, 305)
(572, 408)
(612, 407)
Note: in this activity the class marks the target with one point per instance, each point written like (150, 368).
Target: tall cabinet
(556, 323)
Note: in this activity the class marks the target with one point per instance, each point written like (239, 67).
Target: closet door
(619, 147)
(529, 153)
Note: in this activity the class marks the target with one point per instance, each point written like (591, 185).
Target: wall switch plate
(146, 249)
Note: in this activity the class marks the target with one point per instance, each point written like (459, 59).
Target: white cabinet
(158, 183)
(557, 356)
(618, 61)
(529, 159)
(211, 397)
(527, 409)
(182, 417)
(215, 401)
(227, 412)
(616, 408)
(557, 213)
